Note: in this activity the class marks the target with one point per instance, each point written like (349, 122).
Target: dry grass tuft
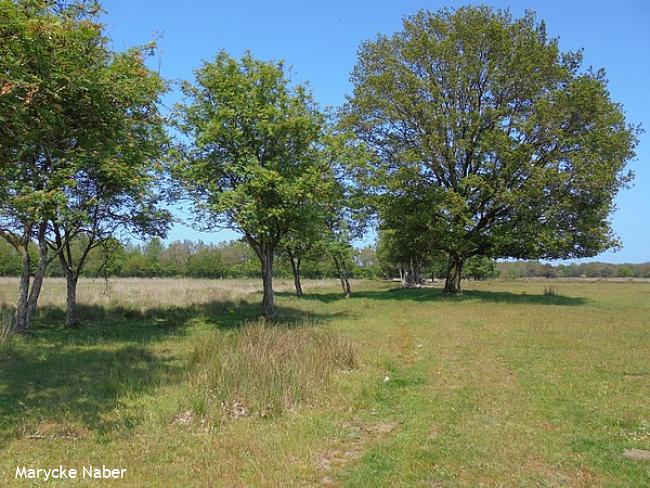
(49, 430)
(263, 370)
(6, 327)
(551, 291)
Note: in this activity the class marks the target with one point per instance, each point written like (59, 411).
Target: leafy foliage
(80, 135)
(516, 150)
(250, 166)
(252, 163)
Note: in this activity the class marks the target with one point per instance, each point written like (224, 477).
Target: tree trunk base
(295, 267)
(452, 291)
(454, 276)
(268, 301)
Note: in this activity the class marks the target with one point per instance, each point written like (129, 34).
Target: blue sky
(320, 39)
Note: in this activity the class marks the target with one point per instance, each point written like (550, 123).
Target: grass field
(174, 380)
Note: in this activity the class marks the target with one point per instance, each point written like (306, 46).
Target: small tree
(366, 262)
(252, 162)
(337, 245)
(111, 190)
(520, 151)
(344, 211)
(296, 247)
(480, 268)
(336, 217)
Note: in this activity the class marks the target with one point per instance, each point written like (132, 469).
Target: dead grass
(355, 437)
(264, 370)
(143, 295)
(551, 291)
(6, 328)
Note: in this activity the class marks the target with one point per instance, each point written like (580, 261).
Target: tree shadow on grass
(80, 377)
(75, 386)
(436, 295)
(123, 324)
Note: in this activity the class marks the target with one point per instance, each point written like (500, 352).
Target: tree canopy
(252, 162)
(516, 150)
(469, 135)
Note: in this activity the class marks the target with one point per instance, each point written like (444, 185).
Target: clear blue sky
(320, 39)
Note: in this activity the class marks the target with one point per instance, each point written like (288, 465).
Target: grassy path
(501, 387)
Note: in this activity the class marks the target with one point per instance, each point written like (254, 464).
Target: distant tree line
(235, 259)
(232, 259)
(155, 259)
(530, 269)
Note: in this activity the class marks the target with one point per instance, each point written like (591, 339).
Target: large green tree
(517, 149)
(252, 162)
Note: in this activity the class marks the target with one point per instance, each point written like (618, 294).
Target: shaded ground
(436, 294)
(59, 375)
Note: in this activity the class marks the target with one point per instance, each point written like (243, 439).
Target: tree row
(468, 136)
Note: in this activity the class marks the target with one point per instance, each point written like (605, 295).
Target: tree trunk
(71, 280)
(454, 275)
(268, 304)
(28, 296)
(345, 284)
(39, 274)
(413, 277)
(23, 294)
(419, 279)
(71, 299)
(343, 277)
(295, 267)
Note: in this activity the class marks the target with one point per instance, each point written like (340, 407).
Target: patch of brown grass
(98, 299)
(356, 437)
(144, 292)
(551, 291)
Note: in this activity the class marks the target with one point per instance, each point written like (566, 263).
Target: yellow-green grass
(504, 386)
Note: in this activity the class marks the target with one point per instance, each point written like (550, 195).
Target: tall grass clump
(263, 370)
(6, 329)
(551, 291)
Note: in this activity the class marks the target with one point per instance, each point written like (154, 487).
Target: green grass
(506, 385)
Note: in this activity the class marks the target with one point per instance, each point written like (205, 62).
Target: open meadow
(176, 382)
(463, 176)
